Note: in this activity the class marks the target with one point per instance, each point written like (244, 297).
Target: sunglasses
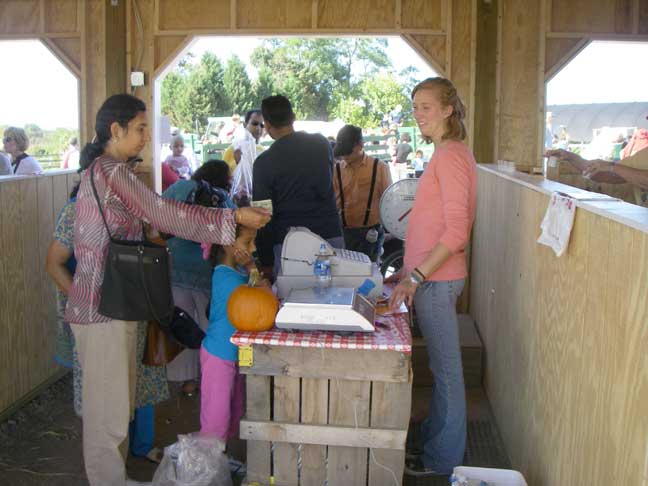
(8, 139)
(257, 124)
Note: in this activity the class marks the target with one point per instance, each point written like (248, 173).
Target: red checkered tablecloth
(392, 334)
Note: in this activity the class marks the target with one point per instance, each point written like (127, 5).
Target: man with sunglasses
(253, 124)
(245, 150)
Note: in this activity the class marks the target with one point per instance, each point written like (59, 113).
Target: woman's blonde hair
(447, 93)
(19, 135)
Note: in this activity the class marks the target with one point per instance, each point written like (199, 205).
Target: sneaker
(417, 469)
(236, 466)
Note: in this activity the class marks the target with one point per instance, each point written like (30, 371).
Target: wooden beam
(267, 430)
(233, 14)
(296, 31)
(41, 23)
(636, 11)
(84, 120)
(156, 17)
(363, 365)
(416, 46)
(568, 56)
(599, 36)
(50, 35)
(171, 56)
(314, 14)
(398, 13)
(129, 42)
(545, 12)
(498, 80)
(448, 29)
(62, 56)
(115, 44)
(473, 79)
(257, 403)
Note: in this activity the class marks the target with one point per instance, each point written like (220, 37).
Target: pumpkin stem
(255, 277)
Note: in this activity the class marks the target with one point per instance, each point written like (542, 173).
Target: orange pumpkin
(252, 308)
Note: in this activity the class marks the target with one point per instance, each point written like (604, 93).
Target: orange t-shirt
(444, 210)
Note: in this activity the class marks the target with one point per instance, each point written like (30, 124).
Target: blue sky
(38, 89)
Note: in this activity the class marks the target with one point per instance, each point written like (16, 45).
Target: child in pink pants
(222, 386)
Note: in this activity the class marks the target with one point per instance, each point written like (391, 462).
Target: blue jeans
(141, 430)
(443, 432)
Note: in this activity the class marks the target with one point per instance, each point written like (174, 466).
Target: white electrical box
(137, 78)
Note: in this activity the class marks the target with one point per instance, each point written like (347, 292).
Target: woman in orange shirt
(434, 268)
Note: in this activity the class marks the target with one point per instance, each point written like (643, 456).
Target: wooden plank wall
(565, 339)
(30, 206)
(535, 38)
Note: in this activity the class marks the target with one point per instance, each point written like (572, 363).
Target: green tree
(238, 87)
(373, 97)
(263, 86)
(311, 71)
(381, 94)
(34, 133)
(173, 87)
(195, 93)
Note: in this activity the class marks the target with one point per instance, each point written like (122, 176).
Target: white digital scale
(326, 309)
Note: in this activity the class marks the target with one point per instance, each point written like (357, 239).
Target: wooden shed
(565, 338)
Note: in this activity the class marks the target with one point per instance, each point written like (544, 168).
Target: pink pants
(222, 396)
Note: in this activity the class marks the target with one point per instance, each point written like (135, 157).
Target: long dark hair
(120, 108)
(215, 172)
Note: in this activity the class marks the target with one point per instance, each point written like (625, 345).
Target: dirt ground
(41, 443)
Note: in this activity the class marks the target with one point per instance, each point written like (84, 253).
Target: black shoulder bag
(137, 283)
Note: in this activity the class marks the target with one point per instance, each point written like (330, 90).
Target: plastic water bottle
(322, 268)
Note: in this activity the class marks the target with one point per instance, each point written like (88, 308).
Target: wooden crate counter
(322, 406)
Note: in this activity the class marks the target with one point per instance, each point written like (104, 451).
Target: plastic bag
(195, 460)
(241, 191)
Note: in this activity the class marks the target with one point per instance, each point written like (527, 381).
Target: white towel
(558, 222)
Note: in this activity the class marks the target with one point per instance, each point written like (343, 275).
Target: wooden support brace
(323, 434)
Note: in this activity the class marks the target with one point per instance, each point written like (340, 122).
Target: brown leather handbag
(161, 348)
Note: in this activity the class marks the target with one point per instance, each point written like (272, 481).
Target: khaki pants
(107, 356)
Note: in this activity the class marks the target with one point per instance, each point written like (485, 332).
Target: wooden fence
(30, 206)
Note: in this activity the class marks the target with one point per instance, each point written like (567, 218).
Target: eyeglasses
(8, 139)
(257, 124)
